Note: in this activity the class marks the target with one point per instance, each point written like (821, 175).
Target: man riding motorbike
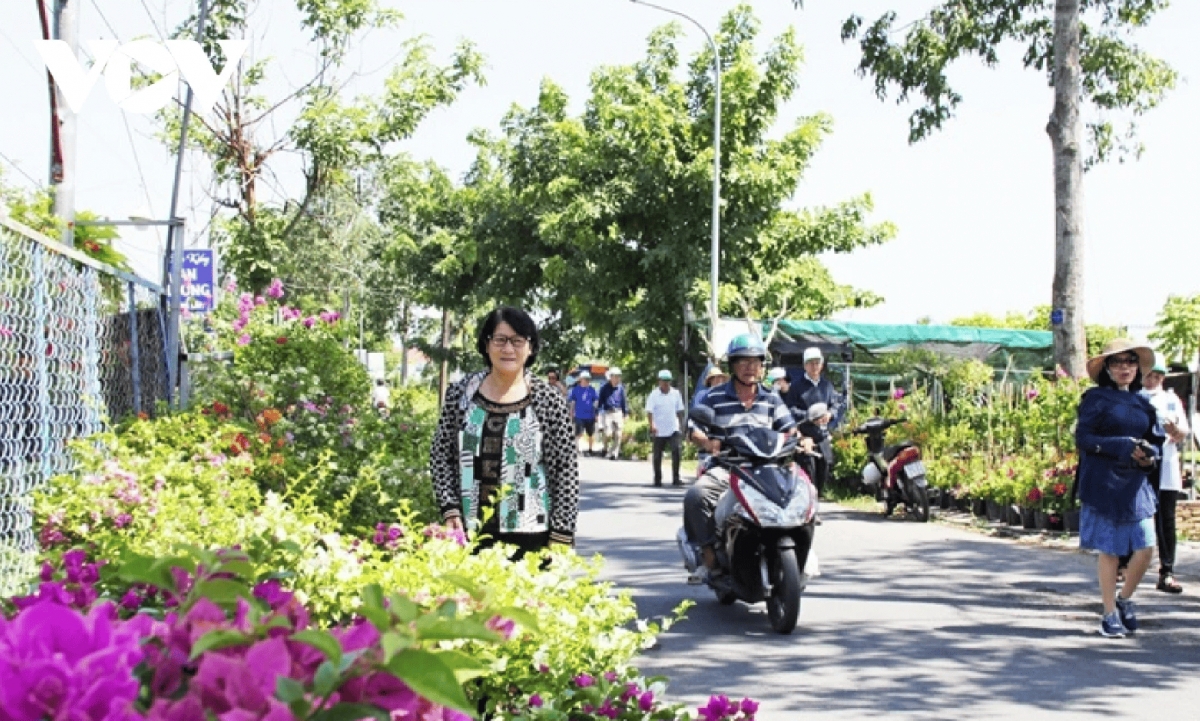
(739, 405)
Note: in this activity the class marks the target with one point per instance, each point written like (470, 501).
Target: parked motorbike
(895, 473)
(764, 524)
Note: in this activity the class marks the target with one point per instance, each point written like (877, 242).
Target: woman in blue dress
(1119, 442)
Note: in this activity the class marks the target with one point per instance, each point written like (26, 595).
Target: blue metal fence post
(135, 353)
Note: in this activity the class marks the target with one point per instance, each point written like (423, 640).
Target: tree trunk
(444, 372)
(1066, 135)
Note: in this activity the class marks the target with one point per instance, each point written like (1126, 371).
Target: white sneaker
(698, 577)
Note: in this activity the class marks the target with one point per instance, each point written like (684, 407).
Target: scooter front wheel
(919, 502)
(783, 605)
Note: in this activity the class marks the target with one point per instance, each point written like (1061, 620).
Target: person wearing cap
(809, 390)
(664, 408)
(713, 378)
(740, 405)
(1173, 418)
(778, 381)
(1119, 441)
(613, 409)
(582, 400)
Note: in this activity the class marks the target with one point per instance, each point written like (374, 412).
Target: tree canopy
(602, 219)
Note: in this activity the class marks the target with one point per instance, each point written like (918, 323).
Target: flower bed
(256, 558)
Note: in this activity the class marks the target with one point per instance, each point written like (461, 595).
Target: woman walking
(503, 457)
(1119, 442)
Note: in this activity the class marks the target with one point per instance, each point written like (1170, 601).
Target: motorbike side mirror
(702, 415)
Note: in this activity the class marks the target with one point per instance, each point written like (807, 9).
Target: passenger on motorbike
(739, 405)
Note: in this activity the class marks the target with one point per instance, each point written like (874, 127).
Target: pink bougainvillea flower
(1032, 393)
(898, 393)
(57, 663)
(583, 680)
(717, 709)
(507, 628)
(275, 290)
(243, 339)
(646, 701)
(749, 706)
(535, 701)
(309, 322)
(259, 300)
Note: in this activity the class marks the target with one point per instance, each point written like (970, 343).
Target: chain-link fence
(80, 344)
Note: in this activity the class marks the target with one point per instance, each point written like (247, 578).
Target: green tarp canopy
(997, 346)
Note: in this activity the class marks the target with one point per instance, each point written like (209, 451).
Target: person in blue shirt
(583, 400)
(1119, 441)
(738, 405)
(715, 377)
(613, 410)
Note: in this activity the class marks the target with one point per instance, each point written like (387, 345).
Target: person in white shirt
(664, 407)
(381, 397)
(1173, 418)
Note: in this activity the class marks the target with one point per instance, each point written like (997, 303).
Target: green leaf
(465, 584)
(379, 617)
(523, 616)
(427, 674)
(323, 641)
(351, 712)
(394, 643)
(372, 596)
(326, 679)
(222, 590)
(288, 690)
(438, 628)
(404, 608)
(216, 640)
(465, 667)
(144, 569)
(241, 568)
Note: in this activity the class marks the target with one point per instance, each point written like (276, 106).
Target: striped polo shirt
(732, 416)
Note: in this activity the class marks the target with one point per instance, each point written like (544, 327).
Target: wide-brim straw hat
(1121, 345)
(714, 372)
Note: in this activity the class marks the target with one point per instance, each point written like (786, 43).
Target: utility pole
(64, 125)
(444, 373)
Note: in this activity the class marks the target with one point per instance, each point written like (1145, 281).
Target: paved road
(908, 620)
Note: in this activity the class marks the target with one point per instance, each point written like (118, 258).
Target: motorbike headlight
(768, 514)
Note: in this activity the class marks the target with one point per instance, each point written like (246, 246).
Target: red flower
(1034, 495)
(281, 340)
(220, 408)
(241, 444)
(1060, 489)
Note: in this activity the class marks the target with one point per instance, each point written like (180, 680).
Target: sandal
(1167, 584)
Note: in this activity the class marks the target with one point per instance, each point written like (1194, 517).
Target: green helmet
(746, 346)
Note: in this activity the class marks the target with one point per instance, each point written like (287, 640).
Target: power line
(152, 21)
(20, 52)
(20, 170)
(103, 19)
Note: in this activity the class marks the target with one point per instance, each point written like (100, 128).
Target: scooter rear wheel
(919, 502)
(783, 605)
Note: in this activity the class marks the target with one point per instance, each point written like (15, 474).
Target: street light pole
(716, 201)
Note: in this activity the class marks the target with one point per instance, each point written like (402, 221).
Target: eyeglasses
(1125, 361)
(516, 341)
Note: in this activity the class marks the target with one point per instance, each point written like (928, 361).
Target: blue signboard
(199, 277)
(1056, 316)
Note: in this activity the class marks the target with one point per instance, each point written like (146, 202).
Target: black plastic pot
(1012, 515)
(979, 507)
(1027, 519)
(995, 512)
(1071, 521)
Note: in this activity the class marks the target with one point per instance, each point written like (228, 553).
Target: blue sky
(974, 204)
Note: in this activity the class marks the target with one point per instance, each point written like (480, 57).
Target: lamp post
(716, 201)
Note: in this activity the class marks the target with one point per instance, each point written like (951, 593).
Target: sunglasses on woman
(1123, 361)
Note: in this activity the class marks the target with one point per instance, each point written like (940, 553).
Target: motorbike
(895, 473)
(764, 524)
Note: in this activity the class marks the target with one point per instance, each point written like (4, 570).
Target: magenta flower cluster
(58, 662)
(721, 708)
(388, 535)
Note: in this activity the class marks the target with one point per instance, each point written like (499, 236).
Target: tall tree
(333, 136)
(1177, 330)
(602, 220)
(1086, 51)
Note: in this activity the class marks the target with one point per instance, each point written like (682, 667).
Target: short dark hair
(1104, 380)
(555, 372)
(520, 322)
